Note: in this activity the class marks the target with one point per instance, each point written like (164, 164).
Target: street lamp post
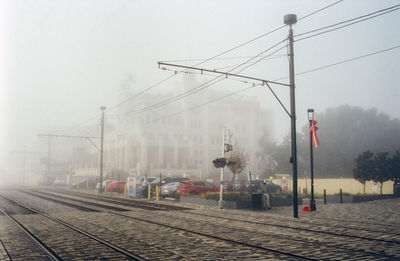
(290, 20)
(310, 113)
(103, 108)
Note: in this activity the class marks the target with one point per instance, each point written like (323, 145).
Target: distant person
(266, 194)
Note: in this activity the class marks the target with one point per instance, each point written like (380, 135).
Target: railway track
(210, 236)
(50, 254)
(309, 229)
(178, 226)
(238, 241)
(49, 251)
(123, 201)
(129, 202)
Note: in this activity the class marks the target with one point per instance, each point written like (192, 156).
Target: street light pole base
(312, 205)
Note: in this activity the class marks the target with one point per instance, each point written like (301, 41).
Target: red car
(116, 186)
(195, 187)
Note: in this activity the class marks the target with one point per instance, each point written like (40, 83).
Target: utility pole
(222, 169)
(23, 175)
(25, 152)
(101, 148)
(48, 159)
(62, 136)
(291, 19)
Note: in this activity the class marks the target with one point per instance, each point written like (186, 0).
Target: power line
(91, 128)
(224, 52)
(220, 58)
(206, 60)
(344, 61)
(202, 86)
(270, 58)
(80, 124)
(319, 10)
(368, 16)
(199, 105)
(312, 70)
(141, 92)
(248, 88)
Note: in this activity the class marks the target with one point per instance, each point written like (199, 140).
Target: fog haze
(62, 60)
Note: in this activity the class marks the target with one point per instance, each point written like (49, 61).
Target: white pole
(222, 170)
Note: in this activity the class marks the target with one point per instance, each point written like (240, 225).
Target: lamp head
(290, 19)
(310, 113)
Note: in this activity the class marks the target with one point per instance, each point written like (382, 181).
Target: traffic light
(228, 147)
(219, 162)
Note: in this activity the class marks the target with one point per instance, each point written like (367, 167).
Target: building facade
(182, 138)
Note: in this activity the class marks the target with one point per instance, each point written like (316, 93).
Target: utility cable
(223, 53)
(199, 105)
(341, 62)
(319, 10)
(211, 58)
(368, 16)
(248, 88)
(201, 86)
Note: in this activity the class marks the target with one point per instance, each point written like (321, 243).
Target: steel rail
(302, 229)
(123, 201)
(46, 249)
(215, 237)
(37, 193)
(110, 245)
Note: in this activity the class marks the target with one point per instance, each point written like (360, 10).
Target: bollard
(325, 196)
(125, 190)
(341, 196)
(149, 192)
(157, 194)
(105, 189)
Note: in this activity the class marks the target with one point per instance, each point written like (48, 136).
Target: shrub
(281, 195)
(228, 196)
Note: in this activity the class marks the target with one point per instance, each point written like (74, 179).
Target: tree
(345, 132)
(364, 168)
(382, 169)
(237, 162)
(277, 156)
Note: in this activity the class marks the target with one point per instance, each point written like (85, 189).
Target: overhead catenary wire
(305, 72)
(342, 62)
(201, 86)
(319, 10)
(358, 20)
(198, 105)
(218, 58)
(224, 52)
(90, 129)
(206, 60)
(233, 65)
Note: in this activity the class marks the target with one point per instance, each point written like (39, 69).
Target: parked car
(170, 180)
(105, 182)
(260, 186)
(59, 183)
(143, 180)
(169, 189)
(195, 187)
(116, 186)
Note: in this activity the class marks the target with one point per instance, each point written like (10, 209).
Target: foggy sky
(62, 60)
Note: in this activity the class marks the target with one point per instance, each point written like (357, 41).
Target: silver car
(169, 189)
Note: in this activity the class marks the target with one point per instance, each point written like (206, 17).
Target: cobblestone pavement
(363, 231)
